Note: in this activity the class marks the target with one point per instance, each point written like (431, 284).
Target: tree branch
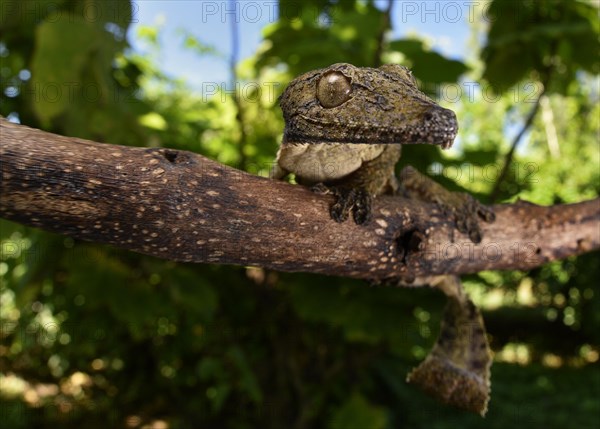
(181, 206)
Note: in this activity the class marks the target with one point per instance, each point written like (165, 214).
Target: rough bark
(181, 206)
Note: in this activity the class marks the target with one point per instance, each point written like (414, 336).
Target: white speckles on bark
(381, 222)
(174, 204)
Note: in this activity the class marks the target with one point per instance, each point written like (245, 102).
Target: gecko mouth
(444, 138)
(434, 126)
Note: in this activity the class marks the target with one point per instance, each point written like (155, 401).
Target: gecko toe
(362, 207)
(486, 213)
(344, 200)
(475, 235)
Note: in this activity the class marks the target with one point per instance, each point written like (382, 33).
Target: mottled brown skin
(344, 129)
(383, 105)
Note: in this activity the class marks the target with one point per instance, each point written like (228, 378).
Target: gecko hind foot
(355, 200)
(467, 212)
(461, 207)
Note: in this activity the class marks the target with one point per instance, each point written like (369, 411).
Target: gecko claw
(320, 189)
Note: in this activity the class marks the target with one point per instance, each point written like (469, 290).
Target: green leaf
(153, 120)
(358, 413)
(246, 378)
(63, 45)
(426, 65)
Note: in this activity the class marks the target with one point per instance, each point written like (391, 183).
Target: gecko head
(347, 104)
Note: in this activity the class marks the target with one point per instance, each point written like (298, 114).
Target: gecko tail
(457, 370)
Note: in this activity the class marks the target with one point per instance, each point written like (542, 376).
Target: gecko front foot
(355, 200)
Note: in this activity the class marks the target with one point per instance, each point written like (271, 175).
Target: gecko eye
(333, 89)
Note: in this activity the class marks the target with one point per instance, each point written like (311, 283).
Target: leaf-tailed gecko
(344, 130)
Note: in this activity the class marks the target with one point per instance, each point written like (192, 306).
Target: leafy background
(96, 337)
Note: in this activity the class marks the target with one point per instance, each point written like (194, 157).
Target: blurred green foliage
(552, 39)
(97, 337)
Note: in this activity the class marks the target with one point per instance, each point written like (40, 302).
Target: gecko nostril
(428, 116)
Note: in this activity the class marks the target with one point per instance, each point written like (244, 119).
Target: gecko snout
(444, 124)
(440, 116)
